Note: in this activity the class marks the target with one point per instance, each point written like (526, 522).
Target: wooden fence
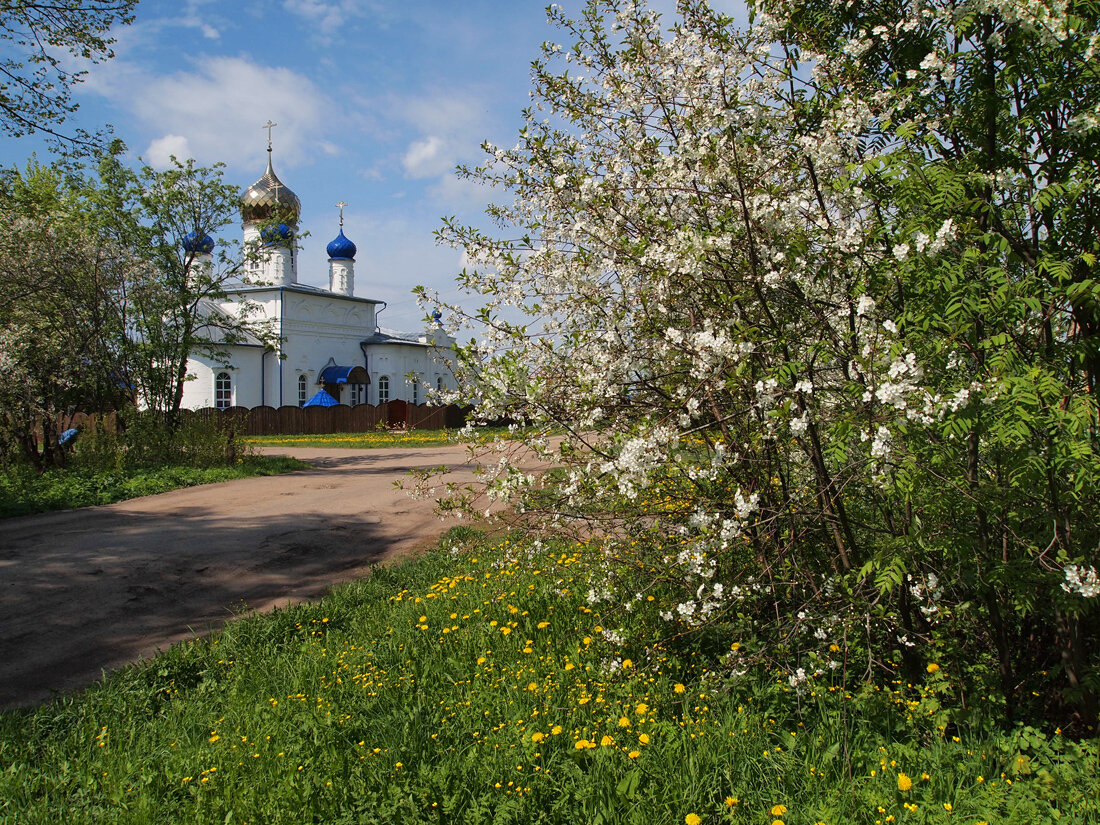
(321, 420)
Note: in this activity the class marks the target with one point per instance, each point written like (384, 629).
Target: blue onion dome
(276, 234)
(269, 198)
(197, 243)
(341, 247)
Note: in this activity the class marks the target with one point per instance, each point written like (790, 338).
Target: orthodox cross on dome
(269, 126)
(341, 206)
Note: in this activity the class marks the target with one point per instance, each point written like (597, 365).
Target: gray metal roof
(216, 334)
(392, 336)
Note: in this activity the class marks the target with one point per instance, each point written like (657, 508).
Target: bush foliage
(813, 304)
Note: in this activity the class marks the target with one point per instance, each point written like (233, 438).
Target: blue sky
(375, 101)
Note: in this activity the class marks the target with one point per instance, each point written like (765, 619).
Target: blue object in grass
(68, 437)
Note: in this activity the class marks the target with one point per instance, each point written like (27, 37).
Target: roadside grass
(374, 439)
(24, 491)
(477, 684)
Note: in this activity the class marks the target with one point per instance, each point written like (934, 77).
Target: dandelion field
(480, 684)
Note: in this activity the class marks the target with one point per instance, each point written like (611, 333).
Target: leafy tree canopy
(37, 42)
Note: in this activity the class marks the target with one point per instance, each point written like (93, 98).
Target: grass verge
(23, 491)
(375, 439)
(478, 684)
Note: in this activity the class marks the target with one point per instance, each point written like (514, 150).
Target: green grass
(23, 491)
(375, 439)
(476, 685)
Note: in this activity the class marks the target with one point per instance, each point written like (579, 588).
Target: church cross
(341, 205)
(269, 125)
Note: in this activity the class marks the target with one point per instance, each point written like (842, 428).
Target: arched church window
(303, 390)
(439, 383)
(383, 389)
(223, 391)
(416, 390)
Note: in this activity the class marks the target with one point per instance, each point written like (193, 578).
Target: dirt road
(89, 590)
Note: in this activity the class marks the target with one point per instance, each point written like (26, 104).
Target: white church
(329, 338)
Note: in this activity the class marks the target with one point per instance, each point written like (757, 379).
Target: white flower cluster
(903, 375)
(601, 594)
(694, 612)
(638, 458)
(927, 594)
(1081, 580)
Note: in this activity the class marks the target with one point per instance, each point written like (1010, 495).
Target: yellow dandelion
(779, 810)
(634, 754)
(554, 731)
(642, 709)
(693, 819)
(731, 801)
(607, 741)
(679, 688)
(932, 667)
(904, 782)
(644, 738)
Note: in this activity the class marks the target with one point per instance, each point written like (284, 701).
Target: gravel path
(86, 591)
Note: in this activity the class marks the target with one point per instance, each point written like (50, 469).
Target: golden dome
(270, 199)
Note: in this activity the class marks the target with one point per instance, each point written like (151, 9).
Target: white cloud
(426, 158)
(161, 151)
(218, 110)
(330, 16)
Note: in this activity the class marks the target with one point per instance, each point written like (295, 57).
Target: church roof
(340, 248)
(198, 244)
(303, 288)
(322, 399)
(270, 198)
(391, 336)
(214, 333)
(336, 374)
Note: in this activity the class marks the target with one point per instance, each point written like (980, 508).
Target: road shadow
(129, 584)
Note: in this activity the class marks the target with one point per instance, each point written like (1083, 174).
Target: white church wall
(243, 370)
(397, 362)
(320, 329)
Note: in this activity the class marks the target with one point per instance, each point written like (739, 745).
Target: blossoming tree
(811, 305)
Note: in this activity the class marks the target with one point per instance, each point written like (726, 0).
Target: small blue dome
(275, 234)
(197, 244)
(341, 247)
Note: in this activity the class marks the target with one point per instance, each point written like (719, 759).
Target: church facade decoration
(329, 338)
